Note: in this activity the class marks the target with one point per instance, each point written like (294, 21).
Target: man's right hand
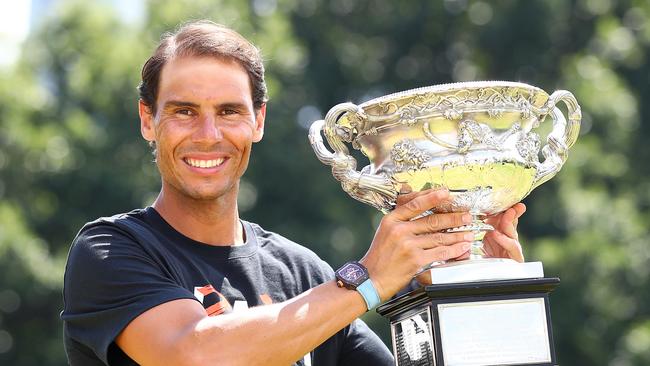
(403, 244)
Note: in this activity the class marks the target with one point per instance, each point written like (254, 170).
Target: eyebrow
(234, 105)
(179, 103)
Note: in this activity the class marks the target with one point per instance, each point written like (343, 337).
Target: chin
(206, 194)
(200, 191)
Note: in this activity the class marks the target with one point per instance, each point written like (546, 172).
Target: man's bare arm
(179, 332)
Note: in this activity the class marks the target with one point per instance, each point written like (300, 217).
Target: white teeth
(204, 163)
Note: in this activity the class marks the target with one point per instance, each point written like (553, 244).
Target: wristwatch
(354, 276)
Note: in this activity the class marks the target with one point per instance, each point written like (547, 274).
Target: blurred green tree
(70, 149)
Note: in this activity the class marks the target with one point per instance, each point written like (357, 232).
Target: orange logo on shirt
(266, 299)
(213, 301)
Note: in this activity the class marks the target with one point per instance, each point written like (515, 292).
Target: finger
(440, 239)
(520, 209)
(494, 220)
(507, 223)
(405, 188)
(436, 222)
(424, 277)
(462, 256)
(403, 198)
(419, 204)
(445, 252)
(487, 248)
(510, 245)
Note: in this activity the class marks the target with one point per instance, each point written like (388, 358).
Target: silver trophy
(477, 139)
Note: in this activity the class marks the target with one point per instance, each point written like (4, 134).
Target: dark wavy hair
(203, 38)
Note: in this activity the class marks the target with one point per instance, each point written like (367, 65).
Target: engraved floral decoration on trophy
(407, 157)
(473, 200)
(528, 147)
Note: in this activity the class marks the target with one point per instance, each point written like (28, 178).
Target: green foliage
(70, 149)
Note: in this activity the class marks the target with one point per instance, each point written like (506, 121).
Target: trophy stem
(479, 228)
(476, 250)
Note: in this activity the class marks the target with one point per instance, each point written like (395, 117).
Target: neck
(213, 222)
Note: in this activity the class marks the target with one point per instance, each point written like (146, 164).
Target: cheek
(168, 137)
(241, 137)
(162, 145)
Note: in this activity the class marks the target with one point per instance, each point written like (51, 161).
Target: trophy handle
(376, 190)
(561, 138)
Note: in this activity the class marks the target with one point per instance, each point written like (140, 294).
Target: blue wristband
(369, 294)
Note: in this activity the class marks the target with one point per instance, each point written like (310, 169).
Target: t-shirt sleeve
(363, 347)
(110, 279)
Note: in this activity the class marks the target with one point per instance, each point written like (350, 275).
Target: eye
(227, 111)
(185, 112)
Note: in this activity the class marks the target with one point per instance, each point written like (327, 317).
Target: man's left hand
(503, 241)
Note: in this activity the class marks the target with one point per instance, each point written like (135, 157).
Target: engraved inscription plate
(413, 341)
(501, 332)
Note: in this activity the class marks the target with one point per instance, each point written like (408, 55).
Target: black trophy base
(474, 324)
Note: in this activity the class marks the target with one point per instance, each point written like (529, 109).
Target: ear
(260, 116)
(146, 122)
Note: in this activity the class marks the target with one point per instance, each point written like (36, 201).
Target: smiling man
(187, 282)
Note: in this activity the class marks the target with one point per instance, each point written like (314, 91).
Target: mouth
(204, 163)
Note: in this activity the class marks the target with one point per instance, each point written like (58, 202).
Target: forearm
(276, 334)
(179, 332)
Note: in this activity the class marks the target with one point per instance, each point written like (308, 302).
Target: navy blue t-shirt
(122, 266)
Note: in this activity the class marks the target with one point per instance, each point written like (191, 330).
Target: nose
(208, 130)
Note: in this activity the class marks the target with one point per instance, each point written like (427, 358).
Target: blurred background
(70, 148)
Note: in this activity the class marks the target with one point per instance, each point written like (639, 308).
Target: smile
(199, 163)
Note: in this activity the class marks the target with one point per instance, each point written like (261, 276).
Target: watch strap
(369, 294)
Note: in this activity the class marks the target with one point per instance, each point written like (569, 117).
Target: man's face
(204, 126)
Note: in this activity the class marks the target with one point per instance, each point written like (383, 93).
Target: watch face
(353, 274)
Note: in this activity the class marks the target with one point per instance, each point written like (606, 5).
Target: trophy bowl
(477, 139)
